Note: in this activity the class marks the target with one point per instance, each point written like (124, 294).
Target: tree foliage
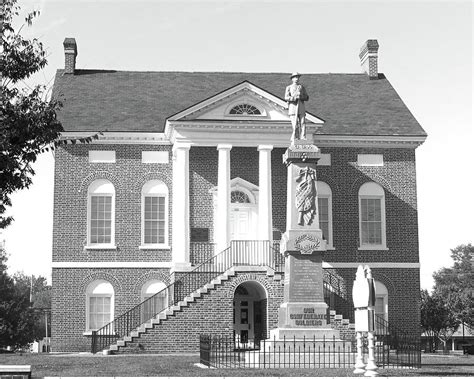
(28, 121)
(437, 320)
(22, 320)
(455, 285)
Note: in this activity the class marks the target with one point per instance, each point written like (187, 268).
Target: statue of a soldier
(295, 95)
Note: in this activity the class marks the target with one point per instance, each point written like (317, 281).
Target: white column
(180, 235)
(265, 193)
(221, 223)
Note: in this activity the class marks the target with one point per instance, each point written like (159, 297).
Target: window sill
(100, 247)
(330, 247)
(154, 247)
(375, 247)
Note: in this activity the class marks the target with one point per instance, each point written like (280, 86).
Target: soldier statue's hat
(295, 74)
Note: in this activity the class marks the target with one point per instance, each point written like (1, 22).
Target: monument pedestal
(303, 314)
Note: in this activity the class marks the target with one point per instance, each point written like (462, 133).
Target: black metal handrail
(182, 287)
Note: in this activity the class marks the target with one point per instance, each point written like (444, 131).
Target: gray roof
(99, 100)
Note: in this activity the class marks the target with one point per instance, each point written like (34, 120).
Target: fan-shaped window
(245, 109)
(239, 197)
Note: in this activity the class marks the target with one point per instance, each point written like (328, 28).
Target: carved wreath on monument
(306, 195)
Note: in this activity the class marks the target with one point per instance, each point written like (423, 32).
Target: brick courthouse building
(189, 170)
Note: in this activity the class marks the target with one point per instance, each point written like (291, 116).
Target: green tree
(455, 285)
(18, 321)
(437, 320)
(28, 122)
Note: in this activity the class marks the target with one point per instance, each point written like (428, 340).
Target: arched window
(101, 213)
(239, 197)
(381, 306)
(155, 214)
(153, 290)
(99, 304)
(325, 211)
(244, 109)
(372, 217)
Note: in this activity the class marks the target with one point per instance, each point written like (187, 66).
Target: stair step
(135, 333)
(127, 338)
(112, 348)
(120, 343)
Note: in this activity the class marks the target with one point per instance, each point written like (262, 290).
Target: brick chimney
(70, 54)
(368, 58)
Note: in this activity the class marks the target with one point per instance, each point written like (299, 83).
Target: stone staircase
(181, 306)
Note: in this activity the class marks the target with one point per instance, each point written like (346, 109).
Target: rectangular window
(99, 311)
(371, 221)
(101, 219)
(101, 156)
(370, 160)
(325, 160)
(155, 157)
(323, 208)
(154, 220)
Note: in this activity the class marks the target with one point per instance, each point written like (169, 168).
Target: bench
(15, 371)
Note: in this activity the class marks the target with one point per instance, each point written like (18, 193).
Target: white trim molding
(402, 265)
(112, 264)
(120, 138)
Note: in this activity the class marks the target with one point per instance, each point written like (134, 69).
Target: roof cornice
(118, 138)
(239, 134)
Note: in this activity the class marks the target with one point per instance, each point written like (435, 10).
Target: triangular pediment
(243, 102)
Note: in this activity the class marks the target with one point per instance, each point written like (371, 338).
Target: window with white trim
(99, 304)
(155, 214)
(101, 213)
(372, 216)
(381, 304)
(153, 290)
(325, 211)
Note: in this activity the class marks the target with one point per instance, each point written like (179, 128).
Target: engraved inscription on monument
(305, 285)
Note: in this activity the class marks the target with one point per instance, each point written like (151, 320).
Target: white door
(241, 224)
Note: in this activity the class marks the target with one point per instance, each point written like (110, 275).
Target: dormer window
(245, 109)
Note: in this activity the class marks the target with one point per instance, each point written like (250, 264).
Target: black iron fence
(394, 347)
(227, 352)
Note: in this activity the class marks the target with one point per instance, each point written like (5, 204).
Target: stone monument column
(303, 312)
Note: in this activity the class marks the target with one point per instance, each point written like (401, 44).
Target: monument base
(304, 334)
(302, 315)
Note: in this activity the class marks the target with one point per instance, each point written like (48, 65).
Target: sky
(426, 52)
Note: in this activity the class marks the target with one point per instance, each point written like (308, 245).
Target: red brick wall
(211, 314)
(69, 300)
(73, 175)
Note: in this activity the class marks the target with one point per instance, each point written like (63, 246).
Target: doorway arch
(250, 312)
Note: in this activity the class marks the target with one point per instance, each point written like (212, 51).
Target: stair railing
(238, 254)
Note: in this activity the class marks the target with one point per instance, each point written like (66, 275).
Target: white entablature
(242, 115)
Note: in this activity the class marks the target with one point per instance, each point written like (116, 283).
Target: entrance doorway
(250, 313)
(243, 215)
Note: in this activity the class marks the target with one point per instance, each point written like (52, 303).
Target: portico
(242, 116)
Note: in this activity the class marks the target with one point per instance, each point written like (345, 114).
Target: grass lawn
(183, 365)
